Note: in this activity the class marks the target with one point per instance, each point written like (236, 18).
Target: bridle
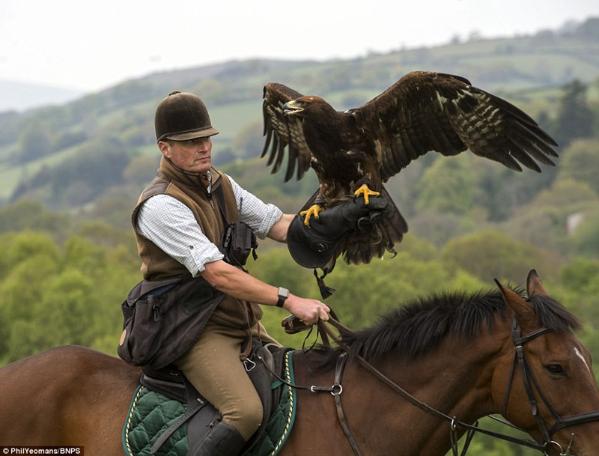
(520, 362)
(531, 385)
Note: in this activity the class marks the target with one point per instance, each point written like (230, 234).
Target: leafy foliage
(580, 163)
(81, 179)
(448, 186)
(30, 215)
(35, 141)
(56, 295)
(248, 142)
(575, 118)
(586, 236)
(491, 254)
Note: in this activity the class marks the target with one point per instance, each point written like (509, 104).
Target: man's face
(193, 155)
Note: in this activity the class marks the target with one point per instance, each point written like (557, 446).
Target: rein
(520, 361)
(454, 423)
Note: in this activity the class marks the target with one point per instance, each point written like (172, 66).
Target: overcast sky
(91, 45)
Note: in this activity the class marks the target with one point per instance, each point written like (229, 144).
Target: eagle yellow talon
(366, 193)
(313, 211)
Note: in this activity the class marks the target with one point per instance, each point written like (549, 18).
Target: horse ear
(534, 285)
(524, 312)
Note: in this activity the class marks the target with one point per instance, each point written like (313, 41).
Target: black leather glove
(315, 245)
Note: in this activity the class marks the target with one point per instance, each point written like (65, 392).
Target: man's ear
(164, 148)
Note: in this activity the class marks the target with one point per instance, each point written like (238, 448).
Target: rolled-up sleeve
(171, 225)
(253, 211)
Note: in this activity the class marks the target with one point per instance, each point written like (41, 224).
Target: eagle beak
(292, 108)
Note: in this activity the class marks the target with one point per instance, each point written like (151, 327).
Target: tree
(69, 139)
(248, 142)
(24, 287)
(55, 295)
(586, 236)
(365, 292)
(436, 226)
(35, 142)
(544, 221)
(10, 126)
(223, 157)
(491, 254)
(448, 186)
(575, 118)
(17, 248)
(31, 215)
(142, 169)
(97, 166)
(501, 190)
(581, 162)
(580, 273)
(567, 195)
(277, 267)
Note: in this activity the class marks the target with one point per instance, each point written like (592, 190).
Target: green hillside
(518, 67)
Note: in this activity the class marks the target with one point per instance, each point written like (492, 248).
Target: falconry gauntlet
(314, 246)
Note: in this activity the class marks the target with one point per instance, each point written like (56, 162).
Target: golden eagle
(355, 151)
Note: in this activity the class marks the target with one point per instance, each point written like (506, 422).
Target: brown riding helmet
(182, 116)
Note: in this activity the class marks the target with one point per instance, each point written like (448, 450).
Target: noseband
(531, 385)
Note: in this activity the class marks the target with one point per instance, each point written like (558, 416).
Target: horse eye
(555, 369)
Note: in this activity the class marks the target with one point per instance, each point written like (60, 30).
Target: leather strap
(422, 405)
(191, 411)
(519, 361)
(282, 295)
(340, 367)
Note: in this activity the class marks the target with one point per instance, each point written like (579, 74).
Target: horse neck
(455, 379)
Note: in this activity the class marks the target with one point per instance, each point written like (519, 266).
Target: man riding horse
(194, 227)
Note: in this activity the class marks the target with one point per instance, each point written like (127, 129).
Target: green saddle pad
(151, 413)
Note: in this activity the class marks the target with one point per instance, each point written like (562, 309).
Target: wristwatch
(283, 295)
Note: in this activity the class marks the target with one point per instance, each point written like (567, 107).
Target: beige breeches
(213, 367)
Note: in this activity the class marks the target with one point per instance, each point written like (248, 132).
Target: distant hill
(19, 96)
(51, 153)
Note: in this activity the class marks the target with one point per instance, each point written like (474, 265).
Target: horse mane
(420, 326)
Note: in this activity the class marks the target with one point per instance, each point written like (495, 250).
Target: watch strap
(283, 295)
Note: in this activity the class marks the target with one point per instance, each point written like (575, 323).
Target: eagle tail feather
(362, 247)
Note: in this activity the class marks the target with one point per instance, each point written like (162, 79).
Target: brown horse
(455, 353)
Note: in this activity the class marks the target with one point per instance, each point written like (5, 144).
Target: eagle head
(305, 106)
(321, 124)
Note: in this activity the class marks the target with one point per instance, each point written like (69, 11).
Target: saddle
(168, 415)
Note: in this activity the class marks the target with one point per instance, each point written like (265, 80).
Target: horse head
(543, 382)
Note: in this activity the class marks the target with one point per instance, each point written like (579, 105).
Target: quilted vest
(191, 189)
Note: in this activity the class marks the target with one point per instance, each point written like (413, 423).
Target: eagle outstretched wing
(439, 112)
(282, 131)
(421, 112)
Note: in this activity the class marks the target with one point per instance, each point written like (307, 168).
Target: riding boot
(224, 440)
